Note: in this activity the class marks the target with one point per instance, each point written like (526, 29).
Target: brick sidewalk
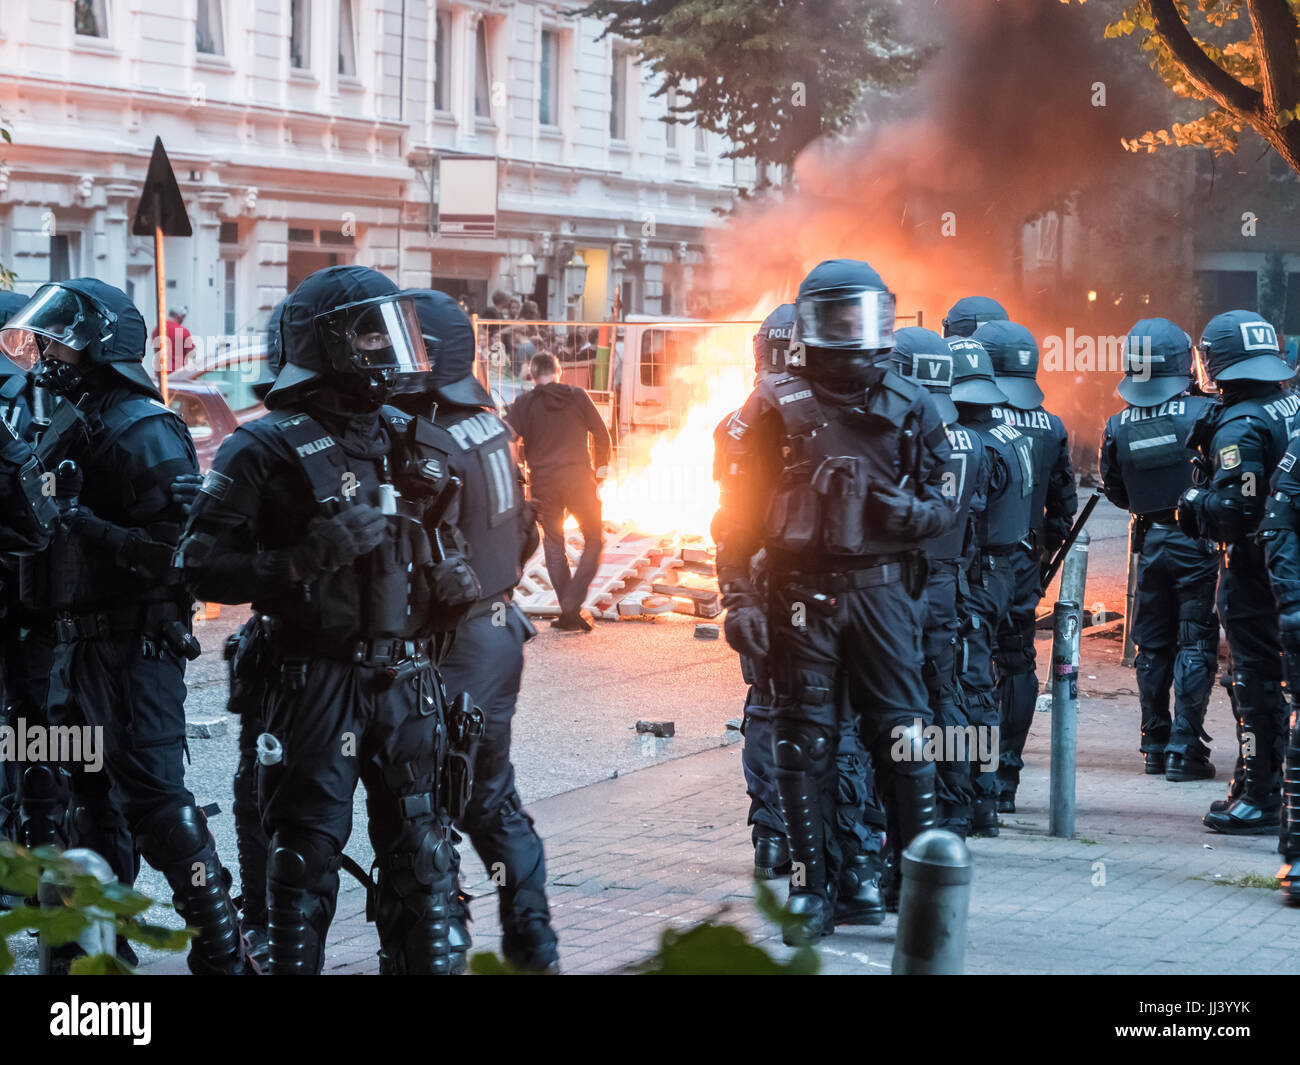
(1134, 892)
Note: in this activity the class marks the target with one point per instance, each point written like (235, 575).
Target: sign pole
(164, 343)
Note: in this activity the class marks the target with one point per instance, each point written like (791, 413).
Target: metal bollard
(1074, 571)
(1067, 621)
(1130, 648)
(933, 906)
(100, 937)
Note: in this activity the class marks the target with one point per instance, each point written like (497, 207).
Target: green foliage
(770, 75)
(1233, 44)
(86, 901)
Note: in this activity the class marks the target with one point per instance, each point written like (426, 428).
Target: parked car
(207, 414)
(233, 369)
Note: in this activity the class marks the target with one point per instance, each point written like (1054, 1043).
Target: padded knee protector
(302, 890)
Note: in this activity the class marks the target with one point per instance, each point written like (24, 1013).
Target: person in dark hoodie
(122, 613)
(326, 515)
(555, 421)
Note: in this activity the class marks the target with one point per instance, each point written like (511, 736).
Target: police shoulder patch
(1229, 457)
(1288, 460)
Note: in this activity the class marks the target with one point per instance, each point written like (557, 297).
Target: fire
(665, 484)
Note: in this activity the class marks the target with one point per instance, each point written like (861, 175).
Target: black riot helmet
(86, 316)
(971, 312)
(922, 355)
(1239, 346)
(449, 342)
(1157, 363)
(274, 361)
(844, 324)
(1014, 352)
(10, 304)
(772, 341)
(347, 328)
(973, 380)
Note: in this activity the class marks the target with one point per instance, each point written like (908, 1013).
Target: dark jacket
(555, 420)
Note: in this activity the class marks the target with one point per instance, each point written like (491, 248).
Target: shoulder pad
(121, 416)
(900, 385)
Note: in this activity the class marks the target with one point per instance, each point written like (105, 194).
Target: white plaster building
(305, 132)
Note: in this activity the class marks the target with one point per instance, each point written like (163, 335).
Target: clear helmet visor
(381, 335)
(860, 320)
(54, 313)
(1201, 368)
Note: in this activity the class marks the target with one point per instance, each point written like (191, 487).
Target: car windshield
(235, 383)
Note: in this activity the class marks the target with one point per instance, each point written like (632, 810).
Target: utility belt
(166, 622)
(872, 571)
(287, 644)
(1144, 523)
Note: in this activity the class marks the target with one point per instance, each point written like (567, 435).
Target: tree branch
(1276, 30)
(1201, 70)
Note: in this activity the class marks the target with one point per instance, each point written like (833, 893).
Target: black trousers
(487, 660)
(33, 797)
(1176, 632)
(1017, 678)
(864, 653)
(757, 760)
(339, 723)
(981, 607)
(132, 692)
(955, 787)
(571, 494)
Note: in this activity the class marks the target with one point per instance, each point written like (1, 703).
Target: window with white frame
(618, 96)
(670, 131)
(209, 34)
(442, 62)
(701, 140)
(548, 101)
(482, 72)
(90, 18)
(300, 34)
(347, 40)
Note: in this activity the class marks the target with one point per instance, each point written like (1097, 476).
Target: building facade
(310, 132)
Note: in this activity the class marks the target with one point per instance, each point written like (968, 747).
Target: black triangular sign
(160, 187)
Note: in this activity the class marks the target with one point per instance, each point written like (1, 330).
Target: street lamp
(527, 270)
(575, 276)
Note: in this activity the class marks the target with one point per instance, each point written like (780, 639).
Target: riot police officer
(487, 657)
(1145, 466)
(971, 312)
(925, 357)
(854, 452)
(324, 514)
(1280, 534)
(249, 674)
(986, 596)
(1014, 352)
(122, 612)
(771, 848)
(1240, 443)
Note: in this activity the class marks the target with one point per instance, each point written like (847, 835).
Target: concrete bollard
(1067, 622)
(100, 937)
(933, 906)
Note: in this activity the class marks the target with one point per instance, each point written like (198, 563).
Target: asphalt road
(582, 696)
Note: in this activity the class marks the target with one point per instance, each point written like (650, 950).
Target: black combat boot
(528, 941)
(771, 853)
(860, 901)
(1182, 767)
(984, 818)
(1155, 763)
(809, 897)
(1255, 812)
(178, 844)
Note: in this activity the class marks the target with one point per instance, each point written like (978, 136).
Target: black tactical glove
(332, 543)
(454, 582)
(1188, 514)
(68, 481)
(905, 516)
(185, 489)
(746, 631)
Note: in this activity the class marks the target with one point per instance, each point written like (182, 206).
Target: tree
(770, 75)
(1250, 81)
